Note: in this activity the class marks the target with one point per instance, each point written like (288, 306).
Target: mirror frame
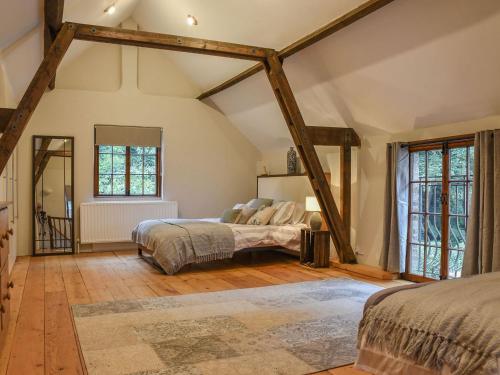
(33, 192)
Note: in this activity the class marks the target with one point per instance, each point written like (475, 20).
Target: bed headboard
(285, 187)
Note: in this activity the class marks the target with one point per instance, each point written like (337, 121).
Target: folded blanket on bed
(453, 322)
(178, 242)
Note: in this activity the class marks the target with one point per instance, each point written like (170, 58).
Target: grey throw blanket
(453, 322)
(178, 242)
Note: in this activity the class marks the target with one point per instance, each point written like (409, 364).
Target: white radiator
(114, 221)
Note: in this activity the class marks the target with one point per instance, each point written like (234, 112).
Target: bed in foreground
(174, 243)
(447, 327)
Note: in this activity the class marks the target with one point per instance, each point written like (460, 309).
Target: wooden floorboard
(41, 338)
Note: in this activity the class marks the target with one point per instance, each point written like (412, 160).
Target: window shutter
(114, 135)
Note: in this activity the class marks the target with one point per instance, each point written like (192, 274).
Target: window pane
(433, 262)
(105, 149)
(119, 149)
(149, 164)
(418, 166)
(471, 162)
(458, 197)
(119, 164)
(417, 197)
(434, 191)
(136, 164)
(458, 163)
(136, 185)
(457, 232)
(118, 185)
(434, 230)
(417, 259)
(417, 229)
(105, 184)
(105, 164)
(455, 263)
(469, 196)
(136, 150)
(150, 150)
(150, 185)
(434, 165)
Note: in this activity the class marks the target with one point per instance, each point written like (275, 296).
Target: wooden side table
(315, 247)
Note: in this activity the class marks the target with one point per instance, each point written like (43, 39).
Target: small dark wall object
(291, 161)
(315, 248)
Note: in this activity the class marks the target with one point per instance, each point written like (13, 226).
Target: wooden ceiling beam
(337, 24)
(41, 168)
(41, 160)
(329, 136)
(300, 135)
(169, 42)
(5, 116)
(33, 94)
(54, 10)
(231, 82)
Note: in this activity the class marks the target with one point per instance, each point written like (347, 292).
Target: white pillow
(246, 214)
(262, 216)
(283, 214)
(238, 206)
(299, 213)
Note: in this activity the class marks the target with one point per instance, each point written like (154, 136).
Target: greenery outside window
(127, 171)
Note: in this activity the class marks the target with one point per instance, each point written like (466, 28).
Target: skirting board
(364, 270)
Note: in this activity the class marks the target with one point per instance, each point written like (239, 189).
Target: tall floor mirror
(53, 192)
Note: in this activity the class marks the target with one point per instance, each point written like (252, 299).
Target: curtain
(393, 257)
(482, 250)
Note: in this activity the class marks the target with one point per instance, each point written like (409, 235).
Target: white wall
(208, 165)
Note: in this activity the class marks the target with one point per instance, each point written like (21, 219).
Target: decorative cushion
(257, 203)
(231, 216)
(246, 213)
(299, 213)
(283, 214)
(262, 216)
(238, 206)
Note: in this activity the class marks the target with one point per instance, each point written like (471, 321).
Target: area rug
(288, 329)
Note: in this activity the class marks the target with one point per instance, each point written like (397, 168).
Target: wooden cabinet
(5, 283)
(315, 247)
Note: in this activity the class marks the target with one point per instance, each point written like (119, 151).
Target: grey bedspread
(177, 242)
(453, 322)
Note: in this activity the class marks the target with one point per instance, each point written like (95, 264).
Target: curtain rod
(456, 138)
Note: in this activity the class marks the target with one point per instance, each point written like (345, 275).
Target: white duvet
(245, 236)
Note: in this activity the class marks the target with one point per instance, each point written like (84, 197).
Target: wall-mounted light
(191, 20)
(110, 10)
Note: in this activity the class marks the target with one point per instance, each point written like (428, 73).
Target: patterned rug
(285, 329)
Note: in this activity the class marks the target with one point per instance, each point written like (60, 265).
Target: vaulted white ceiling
(410, 65)
(273, 24)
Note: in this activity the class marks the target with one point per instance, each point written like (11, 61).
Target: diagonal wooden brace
(33, 94)
(298, 130)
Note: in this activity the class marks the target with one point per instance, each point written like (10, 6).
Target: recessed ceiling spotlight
(110, 10)
(191, 20)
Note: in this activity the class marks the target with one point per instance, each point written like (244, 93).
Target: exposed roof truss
(18, 119)
(337, 24)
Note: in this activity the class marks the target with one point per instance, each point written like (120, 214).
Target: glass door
(439, 196)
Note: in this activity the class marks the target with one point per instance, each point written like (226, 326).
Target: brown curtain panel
(393, 258)
(482, 251)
